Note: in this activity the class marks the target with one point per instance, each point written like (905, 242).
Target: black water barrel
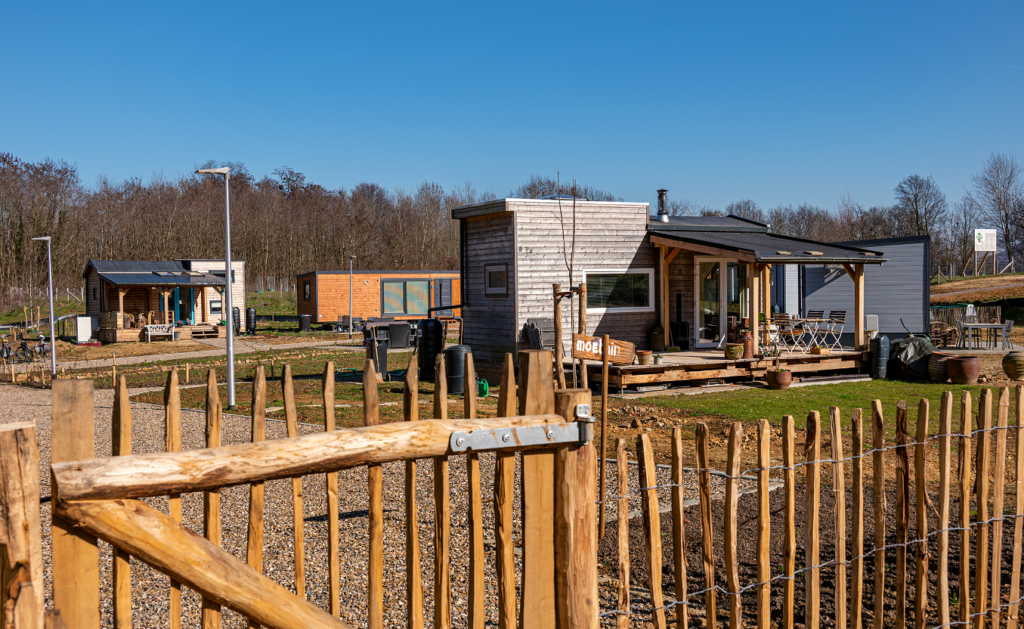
(879, 356)
(250, 321)
(455, 367)
(432, 344)
(399, 334)
(380, 360)
(236, 317)
(304, 323)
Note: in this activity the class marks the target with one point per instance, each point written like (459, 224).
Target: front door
(721, 299)
(183, 305)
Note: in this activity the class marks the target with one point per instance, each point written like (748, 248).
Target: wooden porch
(701, 366)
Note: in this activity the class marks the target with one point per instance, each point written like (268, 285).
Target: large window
(620, 290)
(405, 297)
(496, 280)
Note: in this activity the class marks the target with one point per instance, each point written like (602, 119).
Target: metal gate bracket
(519, 437)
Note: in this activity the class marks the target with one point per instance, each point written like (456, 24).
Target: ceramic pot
(643, 356)
(779, 380)
(734, 351)
(1013, 365)
(964, 369)
(748, 343)
(657, 359)
(937, 369)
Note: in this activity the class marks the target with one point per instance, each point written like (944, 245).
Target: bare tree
(996, 190)
(539, 187)
(746, 209)
(963, 220)
(922, 204)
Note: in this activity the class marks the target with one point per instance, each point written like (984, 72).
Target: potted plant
(777, 377)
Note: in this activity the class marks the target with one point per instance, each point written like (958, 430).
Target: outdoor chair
(1007, 330)
(815, 314)
(961, 342)
(837, 321)
(787, 333)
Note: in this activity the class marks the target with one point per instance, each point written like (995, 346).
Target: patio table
(812, 328)
(978, 326)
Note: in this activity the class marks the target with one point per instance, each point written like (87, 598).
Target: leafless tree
(539, 187)
(746, 209)
(996, 190)
(922, 204)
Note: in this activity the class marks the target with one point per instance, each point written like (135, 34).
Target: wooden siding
(608, 236)
(93, 305)
(680, 280)
(329, 292)
(237, 290)
(489, 324)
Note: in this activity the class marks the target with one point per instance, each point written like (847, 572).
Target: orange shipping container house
(399, 294)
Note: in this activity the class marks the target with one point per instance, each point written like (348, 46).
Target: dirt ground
(980, 289)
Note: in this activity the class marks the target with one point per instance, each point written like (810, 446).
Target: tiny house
(324, 295)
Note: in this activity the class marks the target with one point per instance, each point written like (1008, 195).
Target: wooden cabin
(125, 295)
(693, 278)
(400, 294)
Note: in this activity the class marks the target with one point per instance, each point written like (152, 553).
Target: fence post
(21, 552)
(504, 490)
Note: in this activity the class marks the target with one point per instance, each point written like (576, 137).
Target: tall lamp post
(350, 323)
(230, 313)
(49, 275)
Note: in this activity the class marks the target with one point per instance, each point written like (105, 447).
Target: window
(496, 280)
(221, 274)
(620, 290)
(305, 290)
(405, 297)
(215, 306)
(95, 293)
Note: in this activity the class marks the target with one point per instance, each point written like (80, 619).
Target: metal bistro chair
(1007, 330)
(961, 338)
(836, 323)
(788, 335)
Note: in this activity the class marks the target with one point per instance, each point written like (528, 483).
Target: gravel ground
(150, 587)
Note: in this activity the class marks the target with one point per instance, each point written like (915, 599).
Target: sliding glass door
(721, 296)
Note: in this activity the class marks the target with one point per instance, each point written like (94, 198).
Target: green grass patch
(273, 303)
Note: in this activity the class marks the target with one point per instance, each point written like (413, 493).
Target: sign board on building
(589, 347)
(984, 240)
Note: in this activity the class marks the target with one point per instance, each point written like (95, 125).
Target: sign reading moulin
(589, 348)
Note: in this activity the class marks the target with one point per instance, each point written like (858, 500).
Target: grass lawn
(61, 306)
(272, 303)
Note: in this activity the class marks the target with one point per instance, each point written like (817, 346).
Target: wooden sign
(589, 347)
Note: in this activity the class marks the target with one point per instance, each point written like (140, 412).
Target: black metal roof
(729, 223)
(136, 266)
(162, 278)
(770, 248)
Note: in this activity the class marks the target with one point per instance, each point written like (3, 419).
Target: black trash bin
(380, 356)
(304, 323)
(398, 332)
(236, 318)
(250, 321)
(431, 344)
(879, 356)
(455, 367)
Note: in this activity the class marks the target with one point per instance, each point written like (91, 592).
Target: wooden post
(442, 510)
(997, 505)
(878, 500)
(981, 504)
(203, 307)
(211, 499)
(652, 525)
(857, 586)
(504, 493)
(113, 369)
(605, 340)
(476, 510)
(75, 561)
(902, 511)
(298, 511)
(622, 535)
(678, 527)
(942, 569)
(731, 507)
(536, 396)
(21, 554)
(559, 367)
(706, 531)
(583, 330)
(333, 545)
(375, 488)
(789, 537)
(839, 496)
(764, 567)
(964, 464)
(254, 542)
(1012, 618)
(413, 571)
(860, 339)
(921, 515)
(663, 290)
(121, 445)
(172, 442)
(754, 309)
(812, 485)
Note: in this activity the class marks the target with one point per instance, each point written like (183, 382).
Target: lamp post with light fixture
(49, 275)
(229, 312)
(350, 322)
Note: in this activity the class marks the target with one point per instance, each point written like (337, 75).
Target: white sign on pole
(984, 240)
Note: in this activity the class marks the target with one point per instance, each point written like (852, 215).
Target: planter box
(821, 351)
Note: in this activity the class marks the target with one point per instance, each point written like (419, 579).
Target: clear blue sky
(777, 102)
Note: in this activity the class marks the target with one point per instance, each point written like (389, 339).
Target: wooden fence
(558, 581)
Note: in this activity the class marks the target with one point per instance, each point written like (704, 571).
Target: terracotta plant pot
(779, 380)
(964, 369)
(734, 351)
(643, 356)
(937, 369)
(1013, 365)
(748, 343)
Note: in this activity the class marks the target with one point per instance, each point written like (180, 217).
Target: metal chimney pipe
(663, 206)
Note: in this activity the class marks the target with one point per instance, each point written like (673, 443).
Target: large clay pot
(643, 356)
(779, 379)
(748, 343)
(964, 369)
(1013, 365)
(734, 351)
(937, 366)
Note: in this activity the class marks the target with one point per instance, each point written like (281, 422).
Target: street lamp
(229, 317)
(350, 259)
(49, 274)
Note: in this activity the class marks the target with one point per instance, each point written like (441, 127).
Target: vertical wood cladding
(490, 320)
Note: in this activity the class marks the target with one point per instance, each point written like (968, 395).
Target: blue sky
(777, 102)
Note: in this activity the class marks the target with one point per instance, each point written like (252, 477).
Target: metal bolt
(506, 437)
(551, 434)
(460, 441)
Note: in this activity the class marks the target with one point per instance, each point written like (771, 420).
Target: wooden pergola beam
(742, 256)
(859, 338)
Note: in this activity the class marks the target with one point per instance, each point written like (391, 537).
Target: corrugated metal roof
(162, 278)
(769, 248)
(136, 266)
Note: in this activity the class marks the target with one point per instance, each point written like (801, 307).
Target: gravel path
(150, 587)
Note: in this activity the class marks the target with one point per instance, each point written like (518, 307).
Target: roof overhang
(158, 278)
(762, 248)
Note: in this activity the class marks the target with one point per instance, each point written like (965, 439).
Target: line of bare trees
(282, 225)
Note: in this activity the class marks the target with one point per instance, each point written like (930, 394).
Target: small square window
(496, 280)
(305, 290)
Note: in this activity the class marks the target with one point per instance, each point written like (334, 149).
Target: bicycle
(6, 351)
